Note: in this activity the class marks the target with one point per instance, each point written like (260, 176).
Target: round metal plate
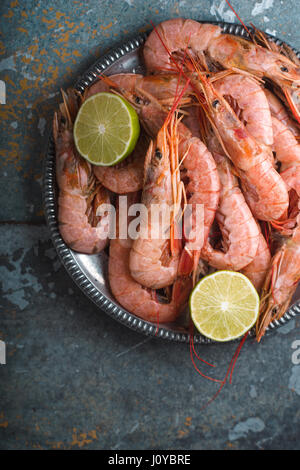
(90, 271)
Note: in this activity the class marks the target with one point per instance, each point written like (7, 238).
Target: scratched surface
(73, 377)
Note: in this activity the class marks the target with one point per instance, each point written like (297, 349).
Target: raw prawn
(291, 177)
(236, 222)
(79, 193)
(204, 42)
(253, 107)
(137, 299)
(202, 186)
(152, 262)
(284, 273)
(280, 283)
(257, 270)
(263, 187)
(278, 110)
(238, 53)
(287, 151)
(286, 146)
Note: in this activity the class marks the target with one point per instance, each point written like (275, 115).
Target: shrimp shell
(137, 299)
(263, 187)
(280, 283)
(79, 193)
(177, 35)
(257, 270)
(151, 262)
(237, 224)
(252, 100)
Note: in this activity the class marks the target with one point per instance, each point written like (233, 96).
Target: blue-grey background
(75, 378)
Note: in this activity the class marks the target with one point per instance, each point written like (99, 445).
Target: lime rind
(243, 300)
(120, 129)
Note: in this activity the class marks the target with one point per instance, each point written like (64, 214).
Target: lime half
(224, 305)
(106, 129)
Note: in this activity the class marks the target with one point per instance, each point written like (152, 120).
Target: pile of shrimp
(220, 128)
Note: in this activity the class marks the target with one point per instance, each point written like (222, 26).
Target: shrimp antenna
(241, 21)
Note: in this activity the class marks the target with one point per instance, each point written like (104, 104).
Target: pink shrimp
(137, 299)
(286, 146)
(171, 39)
(287, 151)
(199, 174)
(191, 120)
(198, 171)
(278, 110)
(79, 193)
(252, 103)
(263, 187)
(281, 282)
(140, 89)
(284, 273)
(237, 224)
(291, 177)
(127, 176)
(152, 262)
(257, 270)
(202, 186)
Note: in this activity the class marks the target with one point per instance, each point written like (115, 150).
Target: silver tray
(90, 271)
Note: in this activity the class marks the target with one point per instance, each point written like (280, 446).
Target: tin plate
(90, 271)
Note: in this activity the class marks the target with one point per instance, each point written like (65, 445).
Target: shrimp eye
(283, 68)
(137, 99)
(215, 103)
(158, 154)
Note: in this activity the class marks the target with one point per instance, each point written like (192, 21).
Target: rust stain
(144, 28)
(182, 433)
(83, 439)
(3, 424)
(188, 421)
(59, 14)
(106, 27)
(12, 352)
(51, 23)
(10, 14)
